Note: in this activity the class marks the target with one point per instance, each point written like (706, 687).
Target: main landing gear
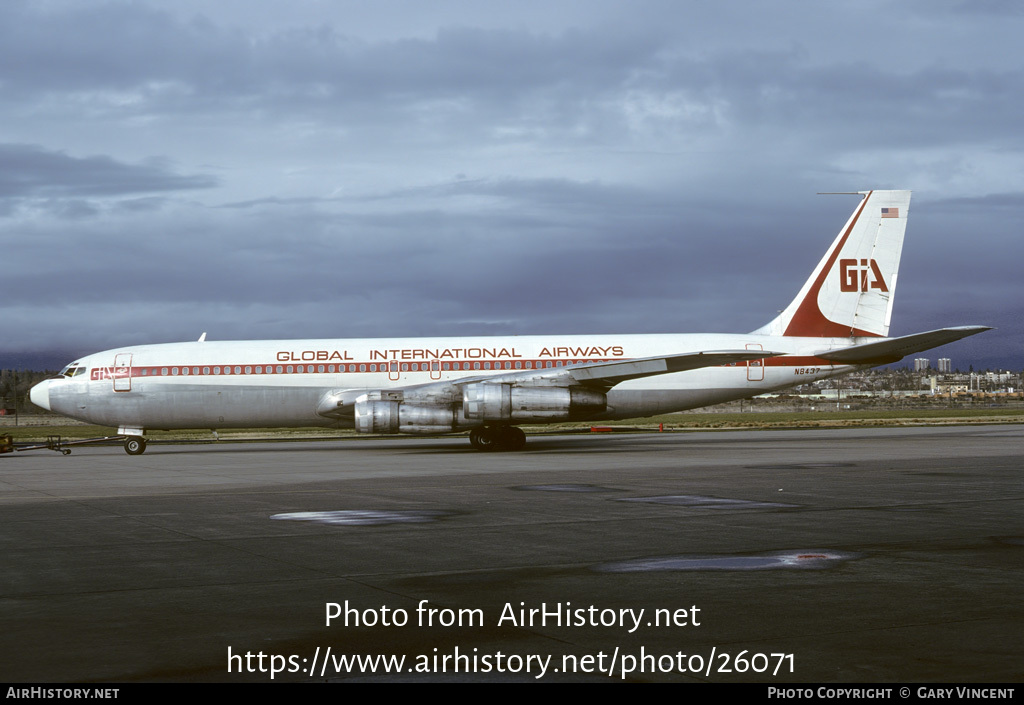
(135, 445)
(497, 438)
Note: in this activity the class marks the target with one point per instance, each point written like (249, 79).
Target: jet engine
(488, 401)
(385, 412)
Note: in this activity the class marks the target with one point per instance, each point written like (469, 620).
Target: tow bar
(54, 443)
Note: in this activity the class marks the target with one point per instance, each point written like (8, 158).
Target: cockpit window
(73, 370)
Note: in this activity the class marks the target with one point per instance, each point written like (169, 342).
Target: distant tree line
(15, 386)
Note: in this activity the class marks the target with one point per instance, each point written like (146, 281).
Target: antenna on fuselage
(202, 338)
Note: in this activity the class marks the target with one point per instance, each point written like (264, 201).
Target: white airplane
(836, 324)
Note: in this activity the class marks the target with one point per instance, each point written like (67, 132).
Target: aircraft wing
(605, 375)
(895, 349)
(608, 374)
(600, 376)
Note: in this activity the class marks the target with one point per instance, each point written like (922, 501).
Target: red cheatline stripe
(312, 368)
(381, 367)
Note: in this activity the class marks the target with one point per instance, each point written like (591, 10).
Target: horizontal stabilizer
(612, 373)
(895, 349)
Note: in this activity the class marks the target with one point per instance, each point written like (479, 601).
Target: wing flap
(611, 373)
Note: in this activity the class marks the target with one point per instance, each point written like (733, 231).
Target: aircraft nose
(40, 395)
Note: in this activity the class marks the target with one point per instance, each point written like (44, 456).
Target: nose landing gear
(135, 445)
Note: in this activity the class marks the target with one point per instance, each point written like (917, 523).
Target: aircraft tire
(135, 446)
(485, 439)
(512, 438)
(492, 438)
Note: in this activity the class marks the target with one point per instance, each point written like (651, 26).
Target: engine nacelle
(486, 401)
(337, 403)
(375, 413)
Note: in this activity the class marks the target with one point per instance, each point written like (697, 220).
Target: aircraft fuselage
(280, 383)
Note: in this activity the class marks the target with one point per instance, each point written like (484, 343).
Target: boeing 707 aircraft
(838, 323)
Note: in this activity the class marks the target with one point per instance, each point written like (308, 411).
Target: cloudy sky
(342, 169)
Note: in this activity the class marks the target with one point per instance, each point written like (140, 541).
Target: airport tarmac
(858, 555)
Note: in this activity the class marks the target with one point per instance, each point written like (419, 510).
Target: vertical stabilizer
(850, 292)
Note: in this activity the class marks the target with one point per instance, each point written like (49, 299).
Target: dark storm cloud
(136, 48)
(592, 168)
(535, 202)
(922, 108)
(108, 46)
(992, 202)
(476, 78)
(32, 171)
(507, 258)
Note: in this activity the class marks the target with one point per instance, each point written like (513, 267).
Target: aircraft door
(122, 372)
(755, 368)
(393, 370)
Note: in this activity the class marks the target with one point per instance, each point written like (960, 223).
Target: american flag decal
(890, 212)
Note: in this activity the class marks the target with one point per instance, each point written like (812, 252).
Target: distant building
(922, 364)
(945, 364)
